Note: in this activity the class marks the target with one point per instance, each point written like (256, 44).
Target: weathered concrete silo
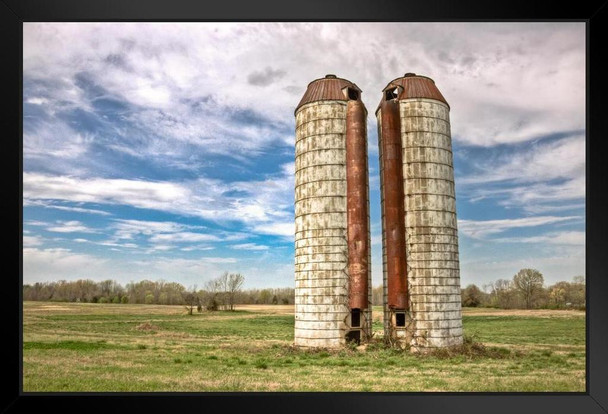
(332, 254)
(420, 239)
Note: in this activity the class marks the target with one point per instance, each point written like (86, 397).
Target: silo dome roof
(328, 88)
(416, 86)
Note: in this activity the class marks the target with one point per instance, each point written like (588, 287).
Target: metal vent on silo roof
(414, 86)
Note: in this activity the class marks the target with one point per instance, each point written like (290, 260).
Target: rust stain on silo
(394, 212)
(356, 202)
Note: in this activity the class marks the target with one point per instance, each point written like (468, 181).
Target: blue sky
(166, 151)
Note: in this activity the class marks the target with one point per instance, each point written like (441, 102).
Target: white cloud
(219, 260)
(38, 203)
(112, 244)
(536, 197)
(138, 193)
(183, 237)
(264, 206)
(72, 226)
(286, 229)
(31, 241)
(197, 248)
(479, 229)
(36, 101)
(126, 229)
(564, 158)
(249, 246)
(538, 178)
(35, 223)
(575, 238)
(506, 82)
(161, 247)
(54, 264)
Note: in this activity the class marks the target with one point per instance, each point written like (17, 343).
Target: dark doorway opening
(353, 94)
(400, 319)
(355, 318)
(354, 336)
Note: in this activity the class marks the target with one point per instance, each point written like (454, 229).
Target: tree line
(525, 291)
(222, 292)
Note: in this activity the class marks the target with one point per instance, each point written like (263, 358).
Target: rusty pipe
(357, 204)
(394, 211)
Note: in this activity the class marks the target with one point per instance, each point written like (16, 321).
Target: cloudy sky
(166, 151)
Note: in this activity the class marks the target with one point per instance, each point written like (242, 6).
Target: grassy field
(95, 347)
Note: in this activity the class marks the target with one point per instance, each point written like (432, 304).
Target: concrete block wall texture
(322, 313)
(434, 317)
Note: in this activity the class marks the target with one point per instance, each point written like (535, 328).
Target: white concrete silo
(422, 301)
(333, 293)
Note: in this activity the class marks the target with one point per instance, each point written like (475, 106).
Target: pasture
(119, 347)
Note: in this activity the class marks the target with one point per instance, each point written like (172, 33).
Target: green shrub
(124, 299)
(102, 299)
(116, 299)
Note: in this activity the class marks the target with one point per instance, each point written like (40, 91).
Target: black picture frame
(13, 13)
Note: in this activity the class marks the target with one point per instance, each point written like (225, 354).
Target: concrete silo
(332, 242)
(420, 240)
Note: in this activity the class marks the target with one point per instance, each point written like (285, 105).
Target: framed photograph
(355, 207)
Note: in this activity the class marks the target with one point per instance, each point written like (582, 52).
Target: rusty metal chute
(394, 214)
(357, 204)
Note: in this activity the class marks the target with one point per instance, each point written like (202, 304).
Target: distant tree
(124, 299)
(502, 294)
(471, 296)
(191, 299)
(265, 296)
(377, 295)
(116, 299)
(557, 294)
(577, 295)
(233, 286)
(212, 294)
(529, 284)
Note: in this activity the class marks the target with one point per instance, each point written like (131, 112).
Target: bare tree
(191, 299)
(528, 283)
(223, 290)
(502, 294)
(222, 283)
(212, 294)
(234, 283)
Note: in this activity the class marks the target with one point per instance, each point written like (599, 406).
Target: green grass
(109, 347)
(522, 330)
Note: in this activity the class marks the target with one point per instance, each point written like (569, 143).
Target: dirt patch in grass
(276, 309)
(147, 326)
(471, 350)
